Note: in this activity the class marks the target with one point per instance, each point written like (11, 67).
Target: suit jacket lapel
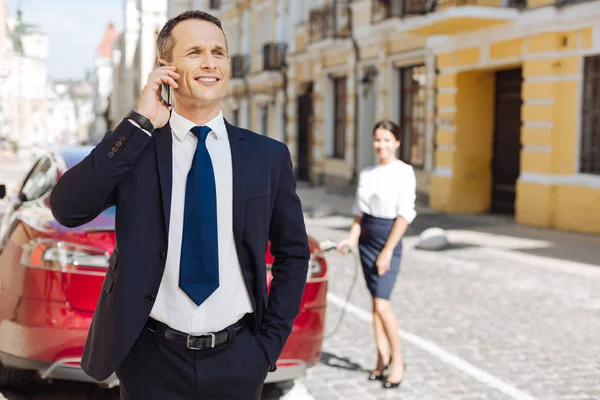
(239, 158)
(163, 141)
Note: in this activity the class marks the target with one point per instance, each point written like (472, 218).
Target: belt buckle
(190, 345)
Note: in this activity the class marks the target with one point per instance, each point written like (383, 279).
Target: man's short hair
(165, 42)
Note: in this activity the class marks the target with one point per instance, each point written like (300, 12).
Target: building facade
(496, 98)
(25, 83)
(319, 74)
(4, 129)
(103, 82)
(135, 55)
(518, 85)
(71, 116)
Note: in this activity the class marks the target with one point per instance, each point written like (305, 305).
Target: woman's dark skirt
(373, 235)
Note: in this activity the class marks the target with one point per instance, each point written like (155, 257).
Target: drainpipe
(356, 93)
(284, 77)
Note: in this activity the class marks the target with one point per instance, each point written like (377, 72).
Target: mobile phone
(166, 92)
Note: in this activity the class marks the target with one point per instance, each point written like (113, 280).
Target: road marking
(440, 353)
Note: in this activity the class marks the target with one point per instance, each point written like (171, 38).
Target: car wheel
(10, 377)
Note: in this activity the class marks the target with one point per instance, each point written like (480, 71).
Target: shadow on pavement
(331, 360)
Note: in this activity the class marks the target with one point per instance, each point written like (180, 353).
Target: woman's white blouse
(387, 191)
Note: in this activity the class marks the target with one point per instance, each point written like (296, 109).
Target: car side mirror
(2, 191)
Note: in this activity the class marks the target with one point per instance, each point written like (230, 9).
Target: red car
(51, 277)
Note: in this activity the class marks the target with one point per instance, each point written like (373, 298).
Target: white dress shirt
(387, 191)
(231, 300)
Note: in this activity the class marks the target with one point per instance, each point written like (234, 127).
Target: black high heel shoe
(391, 385)
(375, 377)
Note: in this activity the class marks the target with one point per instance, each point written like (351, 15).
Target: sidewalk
(544, 242)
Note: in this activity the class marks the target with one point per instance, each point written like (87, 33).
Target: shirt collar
(181, 126)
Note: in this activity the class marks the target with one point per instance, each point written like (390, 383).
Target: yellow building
(517, 100)
(497, 99)
(319, 74)
(258, 38)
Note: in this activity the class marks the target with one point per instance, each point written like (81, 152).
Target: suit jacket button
(162, 255)
(149, 298)
(111, 154)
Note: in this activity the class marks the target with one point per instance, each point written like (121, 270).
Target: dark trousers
(157, 368)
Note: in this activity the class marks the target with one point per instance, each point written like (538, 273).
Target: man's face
(200, 58)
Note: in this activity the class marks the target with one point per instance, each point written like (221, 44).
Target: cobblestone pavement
(476, 323)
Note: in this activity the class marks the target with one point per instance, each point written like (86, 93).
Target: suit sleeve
(289, 246)
(88, 188)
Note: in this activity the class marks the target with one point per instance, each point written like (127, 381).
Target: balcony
(387, 9)
(274, 56)
(240, 65)
(448, 17)
(329, 22)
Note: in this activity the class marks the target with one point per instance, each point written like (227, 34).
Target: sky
(74, 28)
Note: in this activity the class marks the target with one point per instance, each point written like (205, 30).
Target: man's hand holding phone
(151, 104)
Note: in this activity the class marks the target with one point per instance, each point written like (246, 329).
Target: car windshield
(72, 157)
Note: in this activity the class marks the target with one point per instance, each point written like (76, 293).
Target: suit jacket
(133, 171)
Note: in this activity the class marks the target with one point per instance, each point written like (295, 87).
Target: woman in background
(384, 207)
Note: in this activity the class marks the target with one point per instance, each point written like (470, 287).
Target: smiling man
(184, 311)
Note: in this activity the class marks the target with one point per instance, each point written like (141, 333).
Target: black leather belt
(196, 342)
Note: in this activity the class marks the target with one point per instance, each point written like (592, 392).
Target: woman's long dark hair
(388, 126)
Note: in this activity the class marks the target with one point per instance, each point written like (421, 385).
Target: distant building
(25, 87)
(135, 55)
(62, 117)
(4, 128)
(103, 82)
(70, 112)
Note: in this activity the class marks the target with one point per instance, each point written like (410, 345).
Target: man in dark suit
(184, 311)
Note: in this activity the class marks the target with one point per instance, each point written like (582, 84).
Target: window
(589, 150)
(339, 122)
(264, 120)
(413, 108)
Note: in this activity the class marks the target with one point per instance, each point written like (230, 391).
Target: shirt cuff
(138, 125)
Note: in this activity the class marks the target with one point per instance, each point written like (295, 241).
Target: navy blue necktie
(199, 267)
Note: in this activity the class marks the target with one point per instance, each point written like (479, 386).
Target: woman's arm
(355, 229)
(398, 230)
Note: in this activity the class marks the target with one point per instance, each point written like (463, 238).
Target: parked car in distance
(51, 277)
